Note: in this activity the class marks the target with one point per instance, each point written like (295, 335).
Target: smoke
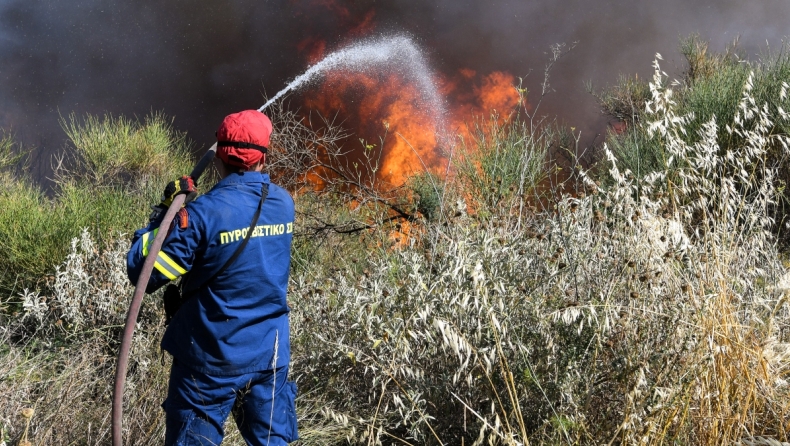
(200, 60)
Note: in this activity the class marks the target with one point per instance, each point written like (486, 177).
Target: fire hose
(137, 298)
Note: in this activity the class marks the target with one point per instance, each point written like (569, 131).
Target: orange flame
(397, 133)
(389, 107)
(384, 109)
(474, 96)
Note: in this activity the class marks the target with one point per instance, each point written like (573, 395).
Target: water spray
(398, 54)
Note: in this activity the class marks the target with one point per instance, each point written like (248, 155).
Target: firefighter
(228, 329)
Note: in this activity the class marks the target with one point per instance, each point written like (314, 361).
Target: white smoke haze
(200, 60)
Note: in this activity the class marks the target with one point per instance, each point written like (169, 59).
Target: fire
(385, 110)
(474, 95)
(400, 132)
(388, 109)
(411, 145)
(498, 93)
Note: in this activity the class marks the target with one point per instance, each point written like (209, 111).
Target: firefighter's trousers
(197, 405)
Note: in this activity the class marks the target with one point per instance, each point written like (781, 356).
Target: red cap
(249, 127)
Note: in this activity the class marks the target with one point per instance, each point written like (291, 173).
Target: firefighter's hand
(183, 185)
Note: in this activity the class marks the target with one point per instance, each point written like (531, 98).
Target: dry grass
(70, 389)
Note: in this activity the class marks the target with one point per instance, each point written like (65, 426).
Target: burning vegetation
(388, 112)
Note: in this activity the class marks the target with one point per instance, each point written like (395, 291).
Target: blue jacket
(238, 323)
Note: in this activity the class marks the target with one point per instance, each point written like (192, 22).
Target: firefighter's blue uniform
(232, 336)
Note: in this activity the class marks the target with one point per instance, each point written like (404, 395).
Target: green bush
(429, 193)
(625, 101)
(711, 86)
(33, 238)
(504, 162)
(115, 170)
(117, 151)
(711, 89)
(10, 154)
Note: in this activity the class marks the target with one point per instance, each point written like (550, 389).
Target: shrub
(429, 193)
(33, 237)
(710, 88)
(625, 101)
(10, 154)
(115, 171)
(117, 150)
(62, 365)
(503, 163)
(88, 290)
